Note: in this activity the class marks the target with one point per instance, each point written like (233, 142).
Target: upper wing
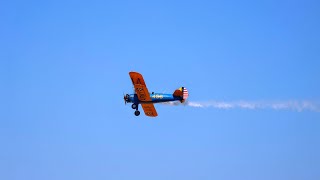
(149, 110)
(140, 86)
(143, 93)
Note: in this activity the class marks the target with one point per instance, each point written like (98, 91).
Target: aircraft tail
(181, 92)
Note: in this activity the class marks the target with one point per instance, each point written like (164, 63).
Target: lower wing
(149, 110)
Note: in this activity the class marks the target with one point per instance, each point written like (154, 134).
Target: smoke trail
(254, 105)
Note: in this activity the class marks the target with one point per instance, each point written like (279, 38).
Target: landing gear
(134, 106)
(137, 113)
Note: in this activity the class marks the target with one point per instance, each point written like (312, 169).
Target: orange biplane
(143, 97)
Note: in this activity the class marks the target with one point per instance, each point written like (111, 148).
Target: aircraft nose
(126, 98)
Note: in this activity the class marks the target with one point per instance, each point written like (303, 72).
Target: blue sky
(64, 68)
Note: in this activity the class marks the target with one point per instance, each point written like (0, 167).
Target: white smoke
(292, 105)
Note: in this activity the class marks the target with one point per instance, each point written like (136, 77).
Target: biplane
(147, 100)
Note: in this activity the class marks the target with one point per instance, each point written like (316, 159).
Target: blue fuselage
(155, 98)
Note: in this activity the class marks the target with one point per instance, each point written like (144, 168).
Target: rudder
(181, 92)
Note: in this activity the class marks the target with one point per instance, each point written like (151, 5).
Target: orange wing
(140, 86)
(143, 93)
(149, 110)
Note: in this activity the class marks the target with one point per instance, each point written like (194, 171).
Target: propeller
(125, 98)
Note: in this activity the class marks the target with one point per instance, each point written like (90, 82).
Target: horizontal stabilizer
(177, 93)
(181, 92)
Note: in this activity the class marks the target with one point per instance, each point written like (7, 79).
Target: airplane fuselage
(155, 98)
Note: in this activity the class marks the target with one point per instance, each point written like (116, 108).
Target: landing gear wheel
(137, 113)
(134, 106)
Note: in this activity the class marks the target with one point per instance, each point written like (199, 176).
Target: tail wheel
(134, 106)
(137, 113)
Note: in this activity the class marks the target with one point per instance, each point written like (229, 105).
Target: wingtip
(134, 73)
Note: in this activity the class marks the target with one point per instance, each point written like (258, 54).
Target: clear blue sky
(64, 67)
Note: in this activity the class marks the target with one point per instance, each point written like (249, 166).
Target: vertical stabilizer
(183, 93)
